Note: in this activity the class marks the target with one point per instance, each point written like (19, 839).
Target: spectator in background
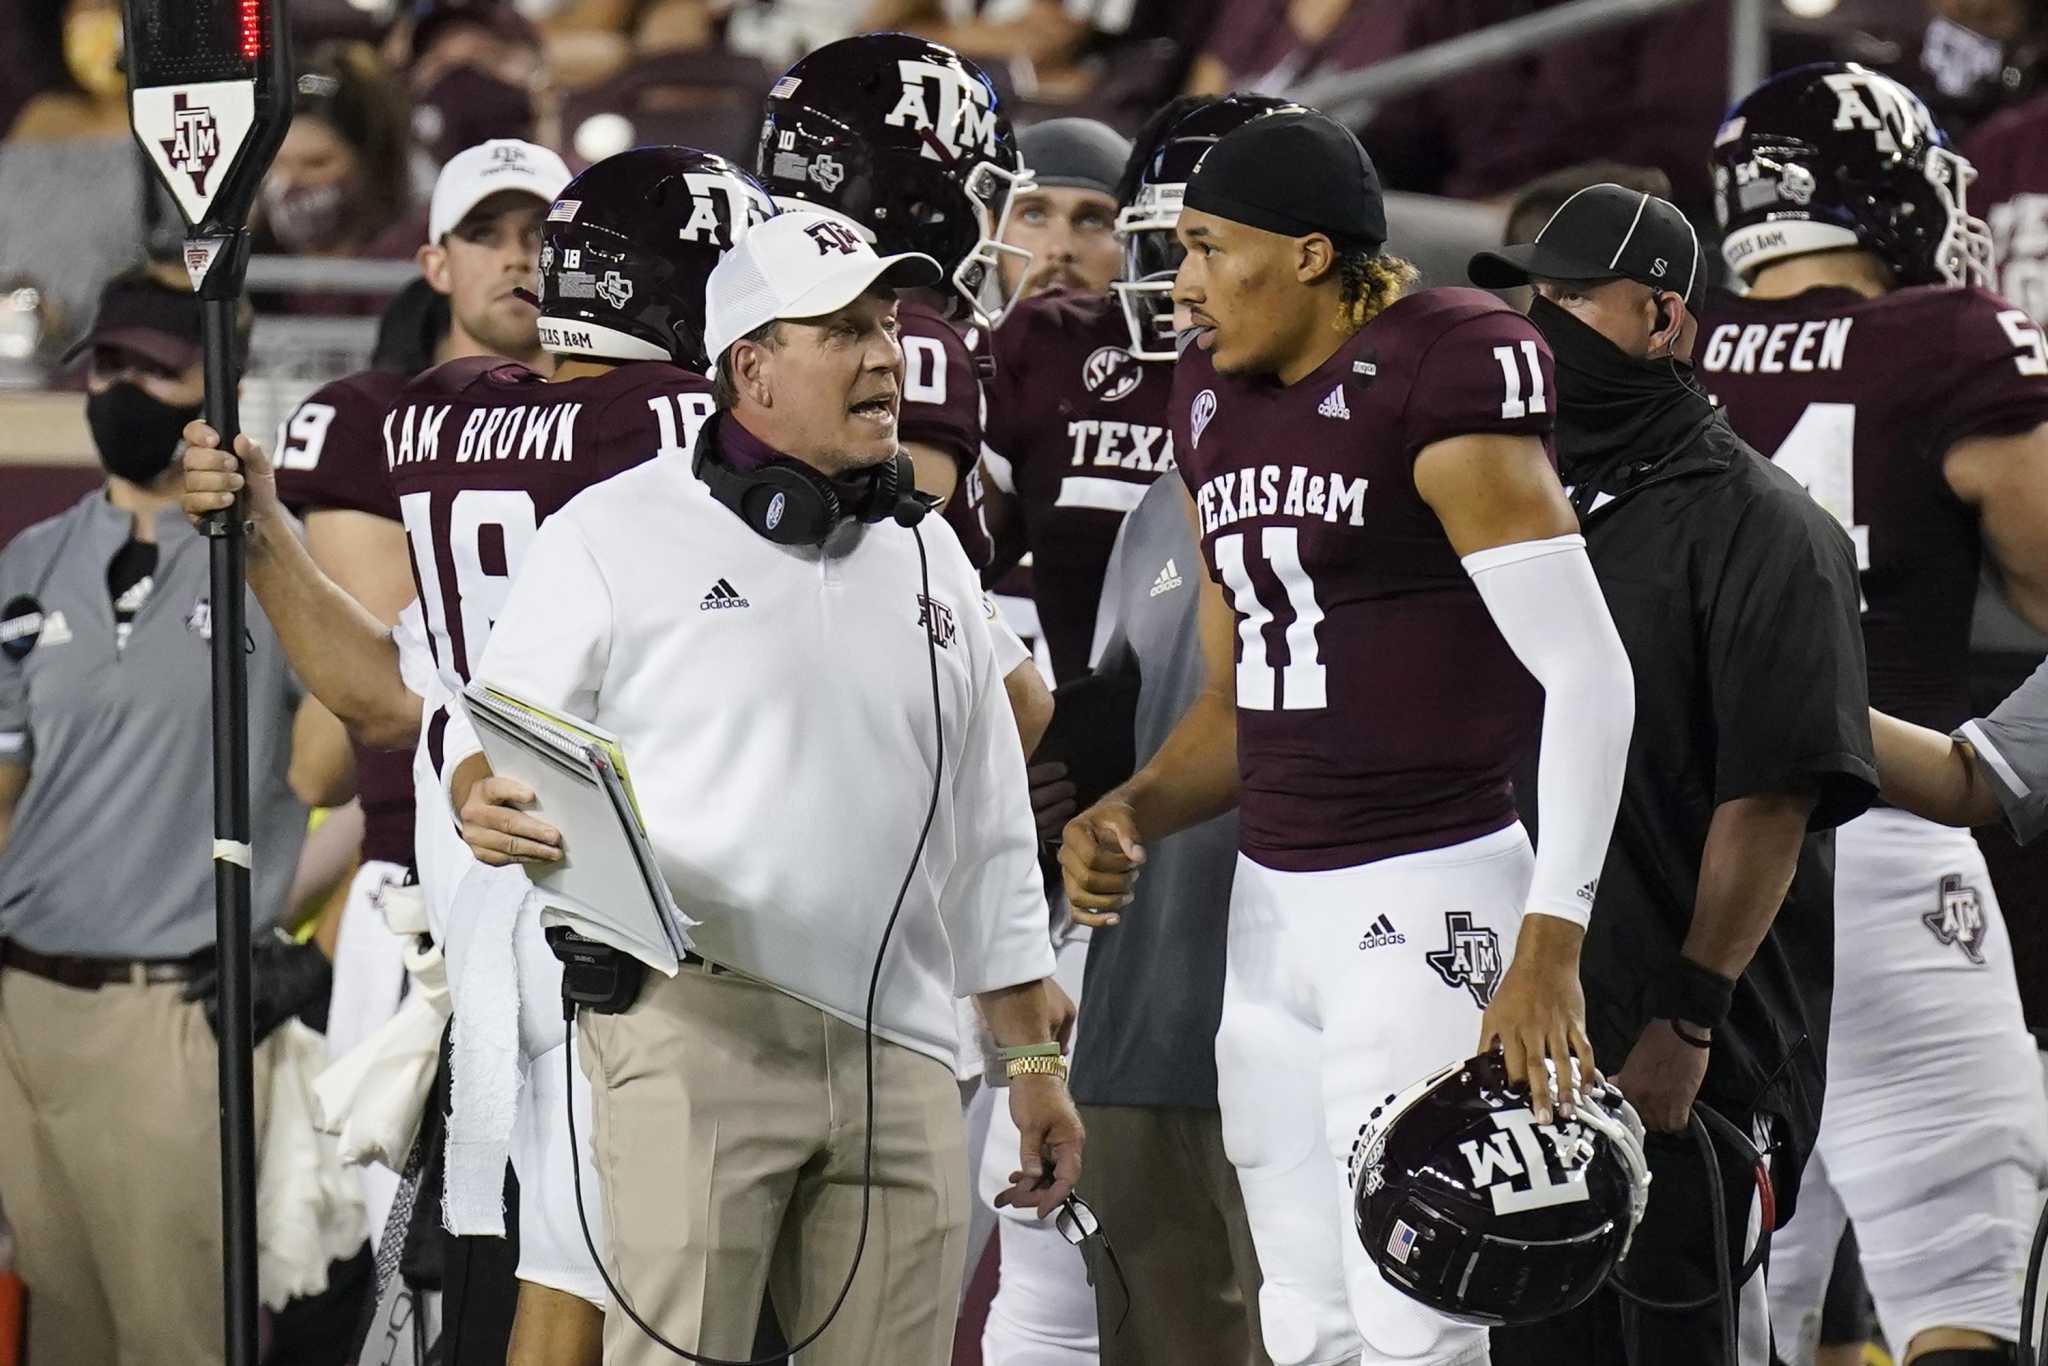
(1035, 44)
(1067, 221)
(71, 181)
(477, 70)
(1267, 47)
(340, 179)
(1650, 93)
(2010, 152)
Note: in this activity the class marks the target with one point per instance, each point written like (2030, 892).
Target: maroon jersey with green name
(481, 452)
(329, 456)
(1859, 399)
(1378, 707)
(1076, 432)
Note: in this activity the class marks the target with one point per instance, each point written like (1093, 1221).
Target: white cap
(798, 264)
(476, 173)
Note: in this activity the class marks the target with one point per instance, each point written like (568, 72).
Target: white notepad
(608, 886)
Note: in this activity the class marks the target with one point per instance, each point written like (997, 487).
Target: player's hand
(213, 476)
(1662, 1077)
(1099, 860)
(1050, 1141)
(1538, 1015)
(498, 832)
(1052, 798)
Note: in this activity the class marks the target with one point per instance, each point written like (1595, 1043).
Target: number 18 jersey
(1859, 399)
(1378, 708)
(482, 451)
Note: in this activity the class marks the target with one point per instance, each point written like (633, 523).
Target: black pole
(220, 289)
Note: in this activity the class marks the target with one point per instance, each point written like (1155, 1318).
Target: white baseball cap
(476, 173)
(799, 264)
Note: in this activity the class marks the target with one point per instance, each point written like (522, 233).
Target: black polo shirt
(1736, 597)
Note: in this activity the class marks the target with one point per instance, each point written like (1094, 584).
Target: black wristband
(1690, 992)
(1696, 1040)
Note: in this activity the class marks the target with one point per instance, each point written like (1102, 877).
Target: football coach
(1709, 965)
(800, 668)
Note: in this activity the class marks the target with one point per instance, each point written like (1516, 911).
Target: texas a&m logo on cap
(832, 237)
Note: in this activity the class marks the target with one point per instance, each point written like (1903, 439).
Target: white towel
(309, 1209)
(373, 1097)
(507, 987)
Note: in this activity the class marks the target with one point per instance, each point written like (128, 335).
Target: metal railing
(1352, 96)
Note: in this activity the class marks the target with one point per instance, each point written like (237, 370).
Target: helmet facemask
(1962, 254)
(992, 190)
(1152, 257)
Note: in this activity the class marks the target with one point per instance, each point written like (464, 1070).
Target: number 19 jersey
(1378, 708)
(1859, 399)
(482, 451)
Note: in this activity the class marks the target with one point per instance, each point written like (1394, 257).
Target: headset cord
(867, 1162)
(2030, 1308)
(1725, 1285)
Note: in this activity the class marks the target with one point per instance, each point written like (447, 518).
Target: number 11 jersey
(482, 451)
(1378, 709)
(1859, 399)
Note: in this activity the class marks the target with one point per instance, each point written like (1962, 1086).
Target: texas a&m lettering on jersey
(1378, 706)
(481, 452)
(1077, 431)
(1859, 399)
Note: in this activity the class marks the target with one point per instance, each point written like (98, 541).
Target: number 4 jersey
(482, 451)
(1859, 399)
(1379, 710)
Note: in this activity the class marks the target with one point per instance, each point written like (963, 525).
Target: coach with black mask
(1709, 965)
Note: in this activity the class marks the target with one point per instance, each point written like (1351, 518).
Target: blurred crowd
(386, 92)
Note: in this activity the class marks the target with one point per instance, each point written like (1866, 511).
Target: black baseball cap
(1604, 232)
(1294, 171)
(148, 317)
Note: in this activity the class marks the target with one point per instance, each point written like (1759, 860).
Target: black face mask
(469, 105)
(1611, 408)
(137, 435)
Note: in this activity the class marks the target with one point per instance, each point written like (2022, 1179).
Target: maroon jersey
(1859, 399)
(1378, 708)
(1077, 432)
(330, 458)
(481, 452)
(2010, 153)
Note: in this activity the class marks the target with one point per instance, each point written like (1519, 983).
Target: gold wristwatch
(1042, 1066)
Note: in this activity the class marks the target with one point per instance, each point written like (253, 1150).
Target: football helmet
(1470, 1206)
(906, 139)
(1835, 155)
(628, 248)
(1152, 253)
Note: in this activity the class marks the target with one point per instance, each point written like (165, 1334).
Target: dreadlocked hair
(1367, 281)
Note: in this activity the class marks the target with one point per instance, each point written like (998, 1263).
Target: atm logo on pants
(1958, 917)
(1472, 958)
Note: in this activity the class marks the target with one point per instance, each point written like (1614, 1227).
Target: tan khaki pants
(110, 1171)
(730, 1124)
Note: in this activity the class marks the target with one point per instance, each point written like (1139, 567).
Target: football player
(483, 233)
(2010, 153)
(1868, 362)
(1076, 428)
(1390, 557)
(479, 452)
(905, 140)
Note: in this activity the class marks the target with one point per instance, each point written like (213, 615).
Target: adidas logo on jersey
(1382, 935)
(722, 596)
(1333, 405)
(1168, 580)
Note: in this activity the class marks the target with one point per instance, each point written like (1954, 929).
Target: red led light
(252, 29)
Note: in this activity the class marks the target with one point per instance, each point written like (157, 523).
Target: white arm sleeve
(1548, 606)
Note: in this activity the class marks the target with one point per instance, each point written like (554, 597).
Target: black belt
(90, 974)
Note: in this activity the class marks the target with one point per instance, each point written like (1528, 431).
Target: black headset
(791, 504)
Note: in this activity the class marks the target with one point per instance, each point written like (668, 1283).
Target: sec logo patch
(1110, 373)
